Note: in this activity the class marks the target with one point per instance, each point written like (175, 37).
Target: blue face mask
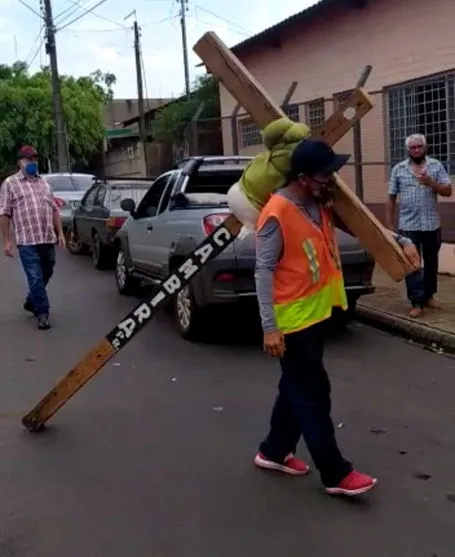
(31, 169)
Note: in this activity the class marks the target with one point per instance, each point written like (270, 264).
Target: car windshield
(135, 192)
(75, 182)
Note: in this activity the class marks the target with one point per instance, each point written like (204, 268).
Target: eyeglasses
(327, 182)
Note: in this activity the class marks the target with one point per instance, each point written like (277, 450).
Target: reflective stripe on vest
(308, 281)
(300, 314)
(312, 255)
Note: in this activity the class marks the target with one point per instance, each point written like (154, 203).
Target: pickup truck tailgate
(353, 257)
(245, 257)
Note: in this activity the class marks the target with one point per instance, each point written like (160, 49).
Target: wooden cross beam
(236, 78)
(132, 323)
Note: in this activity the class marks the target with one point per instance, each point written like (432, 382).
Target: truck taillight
(211, 222)
(60, 202)
(115, 222)
(225, 277)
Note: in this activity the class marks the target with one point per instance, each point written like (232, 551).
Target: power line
(32, 49)
(30, 8)
(35, 42)
(123, 29)
(59, 19)
(99, 16)
(98, 45)
(86, 12)
(150, 23)
(211, 24)
(37, 51)
(223, 19)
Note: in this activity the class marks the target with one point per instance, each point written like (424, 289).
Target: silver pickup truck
(180, 209)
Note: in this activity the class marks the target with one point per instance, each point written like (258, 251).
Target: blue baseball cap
(315, 156)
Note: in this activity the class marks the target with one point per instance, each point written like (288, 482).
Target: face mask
(417, 160)
(31, 169)
(324, 192)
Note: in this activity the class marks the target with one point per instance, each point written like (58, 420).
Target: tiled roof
(305, 16)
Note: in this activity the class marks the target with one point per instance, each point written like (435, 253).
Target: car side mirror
(128, 205)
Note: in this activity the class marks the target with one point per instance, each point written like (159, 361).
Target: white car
(68, 189)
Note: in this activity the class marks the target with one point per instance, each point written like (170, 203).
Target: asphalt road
(153, 458)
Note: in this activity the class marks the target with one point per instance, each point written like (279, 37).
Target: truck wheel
(126, 284)
(100, 254)
(191, 319)
(74, 244)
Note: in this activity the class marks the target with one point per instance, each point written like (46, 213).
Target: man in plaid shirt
(26, 199)
(418, 181)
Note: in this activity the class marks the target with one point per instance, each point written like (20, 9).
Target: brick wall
(402, 39)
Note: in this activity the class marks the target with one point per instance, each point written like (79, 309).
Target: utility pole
(59, 117)
(183, 10)
(140, 92)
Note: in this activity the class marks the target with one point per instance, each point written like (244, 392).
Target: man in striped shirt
(26, 199)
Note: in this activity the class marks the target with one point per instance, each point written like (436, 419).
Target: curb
(432, 337)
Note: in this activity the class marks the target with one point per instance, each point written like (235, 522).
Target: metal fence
(426, 106)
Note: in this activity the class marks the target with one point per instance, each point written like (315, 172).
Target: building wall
(116, 111)
(125, 158)
(401, 39)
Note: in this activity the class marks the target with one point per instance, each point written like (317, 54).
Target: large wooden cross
(236, 78)
(370, 232)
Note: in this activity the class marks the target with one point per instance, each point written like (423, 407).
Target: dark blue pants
(303, 407)
(423, 284)
(38, 262)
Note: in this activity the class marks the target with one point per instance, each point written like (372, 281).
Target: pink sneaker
(353, 484)
(292, 465)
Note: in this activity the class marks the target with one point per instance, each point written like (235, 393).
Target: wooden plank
(242, 85)
(67, 387)
(129, 326)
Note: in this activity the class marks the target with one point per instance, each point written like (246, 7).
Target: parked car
(180, 209)
(68, 189)
(99, 216)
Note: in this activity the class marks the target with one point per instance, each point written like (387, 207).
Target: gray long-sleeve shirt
(269, 249)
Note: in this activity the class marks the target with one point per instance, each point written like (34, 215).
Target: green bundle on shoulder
(268, 171)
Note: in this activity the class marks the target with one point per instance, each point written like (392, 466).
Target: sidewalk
(388, 308)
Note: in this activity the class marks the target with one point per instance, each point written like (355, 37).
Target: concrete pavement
(388, 308)
(153, 457)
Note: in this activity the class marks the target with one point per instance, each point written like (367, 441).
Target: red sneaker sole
(268, 465)
(350, 492)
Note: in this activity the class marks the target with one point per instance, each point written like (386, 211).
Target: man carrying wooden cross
(299, 280)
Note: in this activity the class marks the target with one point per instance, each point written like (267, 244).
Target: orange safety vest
(308, 280)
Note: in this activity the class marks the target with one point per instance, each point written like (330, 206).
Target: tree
(27, 115)
(171, 121)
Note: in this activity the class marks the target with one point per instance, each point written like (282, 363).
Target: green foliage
(171, 121)
(26, 113)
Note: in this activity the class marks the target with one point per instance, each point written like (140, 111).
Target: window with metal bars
(250, 133)
(424, 106)
(292, 111)
(315, 113)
